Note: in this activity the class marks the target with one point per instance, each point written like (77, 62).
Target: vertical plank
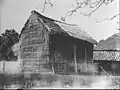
(75, 59)
(0, 22)
(67, 67)
(85, 55)
(51, 52)
(53, 62)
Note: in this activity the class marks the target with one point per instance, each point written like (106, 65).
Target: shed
(52, 45)
(107, 53)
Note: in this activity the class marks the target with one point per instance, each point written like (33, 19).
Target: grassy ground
(88, 78)
(55, 81)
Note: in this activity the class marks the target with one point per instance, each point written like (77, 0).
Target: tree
(93, 5)
(7, 40)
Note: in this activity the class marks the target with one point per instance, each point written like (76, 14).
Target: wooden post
(85, 56)
(0, 22)
(53, 61)
(52, 54)
(75, 59)
(3, 66)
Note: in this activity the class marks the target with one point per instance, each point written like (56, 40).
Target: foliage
(87, 68)
(7, 40)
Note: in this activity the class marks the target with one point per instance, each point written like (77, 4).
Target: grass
(88, 80)
(63, 81)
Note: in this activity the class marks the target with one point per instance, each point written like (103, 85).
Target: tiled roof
(106, 55)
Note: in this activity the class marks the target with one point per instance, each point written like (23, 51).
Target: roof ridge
(34, 11)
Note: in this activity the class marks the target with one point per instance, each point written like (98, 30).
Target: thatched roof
(111, 43)
(71, 29)
(76, 32)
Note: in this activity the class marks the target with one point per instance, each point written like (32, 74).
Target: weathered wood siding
(34, 50)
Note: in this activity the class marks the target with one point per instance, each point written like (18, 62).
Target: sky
(14, 14)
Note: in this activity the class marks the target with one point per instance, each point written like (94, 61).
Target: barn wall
(34, 51)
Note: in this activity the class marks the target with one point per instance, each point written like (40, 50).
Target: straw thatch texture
(76, 32)
(58, 26)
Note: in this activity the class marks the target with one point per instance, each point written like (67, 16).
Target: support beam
(52, 54)
(53, 71)
(0, 22)
(75, 59)
(53, 62)
(85, 55)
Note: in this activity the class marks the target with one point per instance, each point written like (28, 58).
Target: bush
(87, 68)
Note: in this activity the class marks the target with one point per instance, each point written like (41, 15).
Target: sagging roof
(76, 32)
(71, 29)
